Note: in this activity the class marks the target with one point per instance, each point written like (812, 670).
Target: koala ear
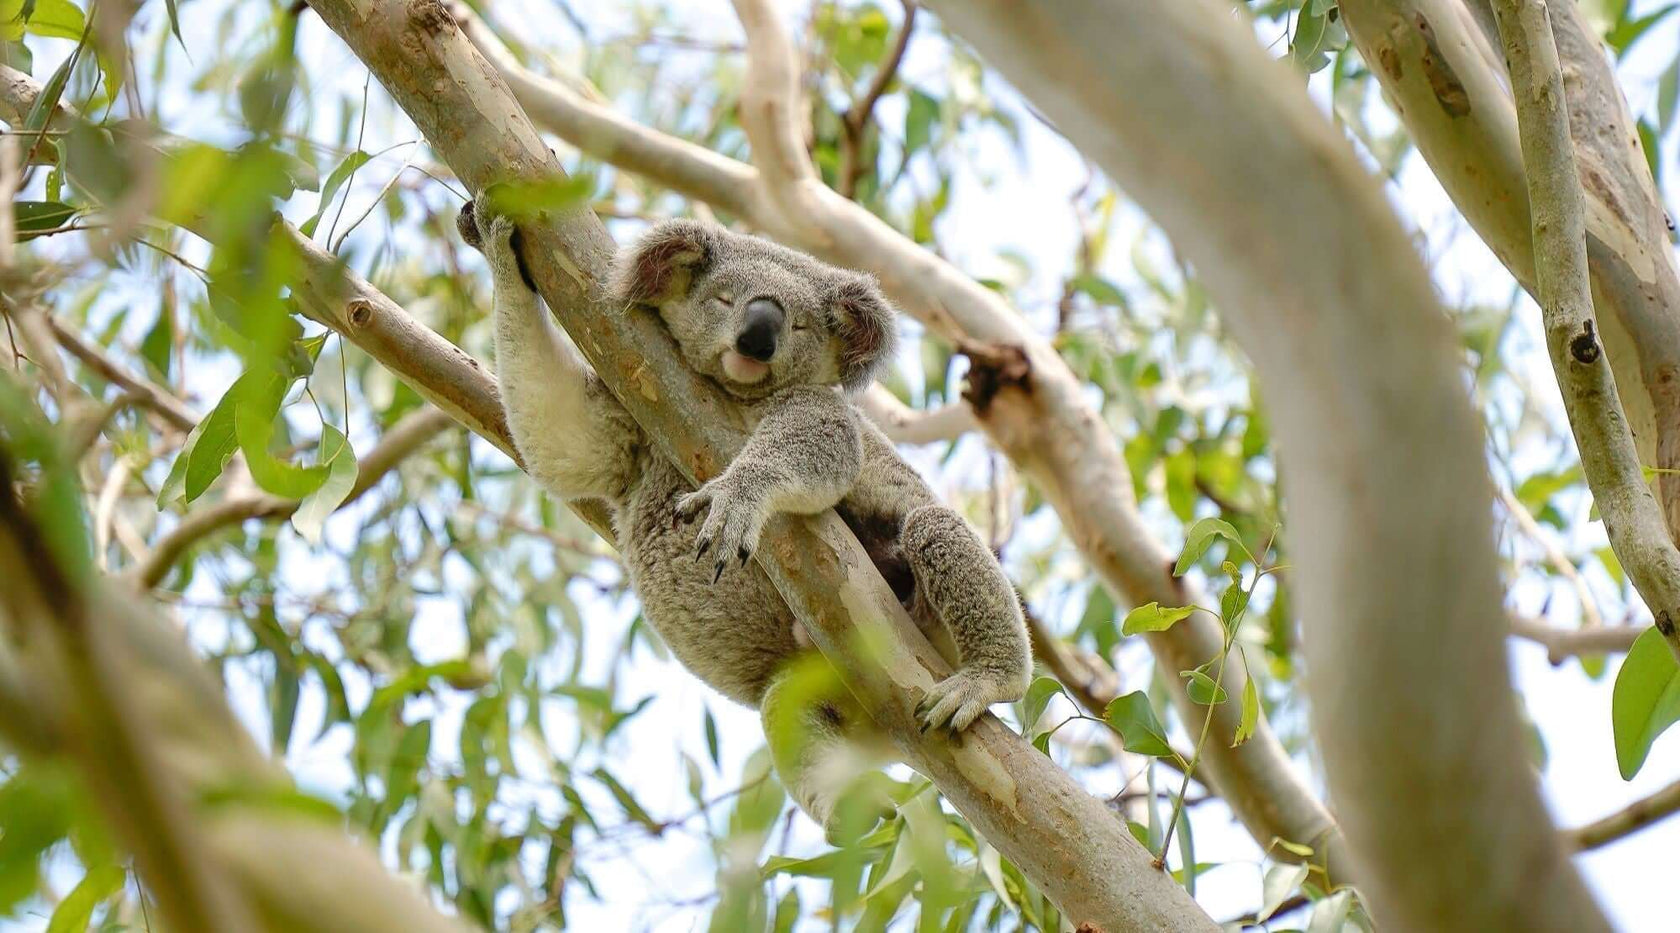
(863, 322)
(662, 264)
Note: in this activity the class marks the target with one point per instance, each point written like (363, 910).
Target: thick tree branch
(1389, 491)
(1037, 816)
(1626, 821)
(1032, 406)
(1435, 60)
(404, 438)
(1632, 518)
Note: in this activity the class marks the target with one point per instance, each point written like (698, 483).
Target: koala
(790, 338)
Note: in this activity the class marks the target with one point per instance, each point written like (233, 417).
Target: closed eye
(724, 298)
(801, 327)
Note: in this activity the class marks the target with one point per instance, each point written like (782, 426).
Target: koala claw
(733, 523)
(958, 700)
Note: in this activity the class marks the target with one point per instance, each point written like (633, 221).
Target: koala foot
(959, 699)
(734, 521)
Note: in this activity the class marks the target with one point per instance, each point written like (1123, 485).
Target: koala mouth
(741, 369)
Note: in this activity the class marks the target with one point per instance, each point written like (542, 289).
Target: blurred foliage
(454, 662)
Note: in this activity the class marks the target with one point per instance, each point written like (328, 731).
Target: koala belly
(733, 634)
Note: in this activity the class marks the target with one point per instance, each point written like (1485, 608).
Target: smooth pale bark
(1438, 62)
(1033, 407)
(1632, 518)
(1059, 835)
(1388, 493)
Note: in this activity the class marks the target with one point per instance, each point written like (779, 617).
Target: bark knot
(359, 311)
(1584, 345)
(1665, 624)
(431, 16)
(992, 367)
(1443, 80)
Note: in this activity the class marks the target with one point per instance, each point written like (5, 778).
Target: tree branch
(1389, 519)
(1626, 821)
(1590, 616)
(1562, 644)
(405, 437)
(1032, 407)
(1434, 59)
(1632, 518)
(905, 425)
(855, 121)
(1036, 815)
(148, 393)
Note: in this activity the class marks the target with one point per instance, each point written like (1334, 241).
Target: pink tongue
(741, 369)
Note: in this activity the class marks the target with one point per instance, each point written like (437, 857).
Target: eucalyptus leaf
(1645, 700)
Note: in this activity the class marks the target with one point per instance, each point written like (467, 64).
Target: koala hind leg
(826, 753)
(962, 583)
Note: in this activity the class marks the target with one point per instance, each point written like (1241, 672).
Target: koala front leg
(963, 584)
(575, 438)
(803, 457)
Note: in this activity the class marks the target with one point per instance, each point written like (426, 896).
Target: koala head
(755, 316)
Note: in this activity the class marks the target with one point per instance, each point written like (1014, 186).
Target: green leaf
(1037, 698)
(1668, 91)
(1250, 713)
(1150, 617)
(1628, 31)
(1200, 537)
(532, 200)
(76, 910)
(711, 736)
(47, 101)
(335, 455)
(1645, 700)
(57, 19)
(1140, 732)
(1203, 689)
(1098, 620)
(335, 181)
(1281, 881)
(253, 420)
(157, 348)
(919, 118)
(1181, 483)
(627, 801)
(35, 218)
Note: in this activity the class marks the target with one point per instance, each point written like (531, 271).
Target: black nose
(763, 323)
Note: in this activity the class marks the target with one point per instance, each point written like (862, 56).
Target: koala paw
(500, 242)
(959, 699)
(734, 521)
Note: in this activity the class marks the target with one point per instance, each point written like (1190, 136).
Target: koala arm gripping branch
(575, 437)
(803, 457)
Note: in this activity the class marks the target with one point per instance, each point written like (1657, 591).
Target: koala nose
(763, 323)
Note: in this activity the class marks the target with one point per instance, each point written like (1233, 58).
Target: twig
(1590, 616)
(856, 119)
(1562, 644)
(148, 393)
(1632, 518)
(403, 439)
(1626, 821)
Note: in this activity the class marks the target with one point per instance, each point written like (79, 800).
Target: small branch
(1626, 821)
(1590, 616)
(855, 121)
(905, 425)
(1632, 518)
(404, 438)
(160, 400)
(1563, 644)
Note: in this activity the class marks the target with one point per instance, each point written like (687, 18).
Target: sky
(1002, 201)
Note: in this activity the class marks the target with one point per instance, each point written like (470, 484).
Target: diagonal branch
(906, 425)
(1626, 821)
(1032, 811)
(1032, 406)
(1632, 518)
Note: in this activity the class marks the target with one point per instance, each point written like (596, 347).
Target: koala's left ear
(863, 321)
(664, 262)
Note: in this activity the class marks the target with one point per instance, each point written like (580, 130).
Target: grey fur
(810, 450)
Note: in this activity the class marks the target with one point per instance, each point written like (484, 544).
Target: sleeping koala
(787, 336)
